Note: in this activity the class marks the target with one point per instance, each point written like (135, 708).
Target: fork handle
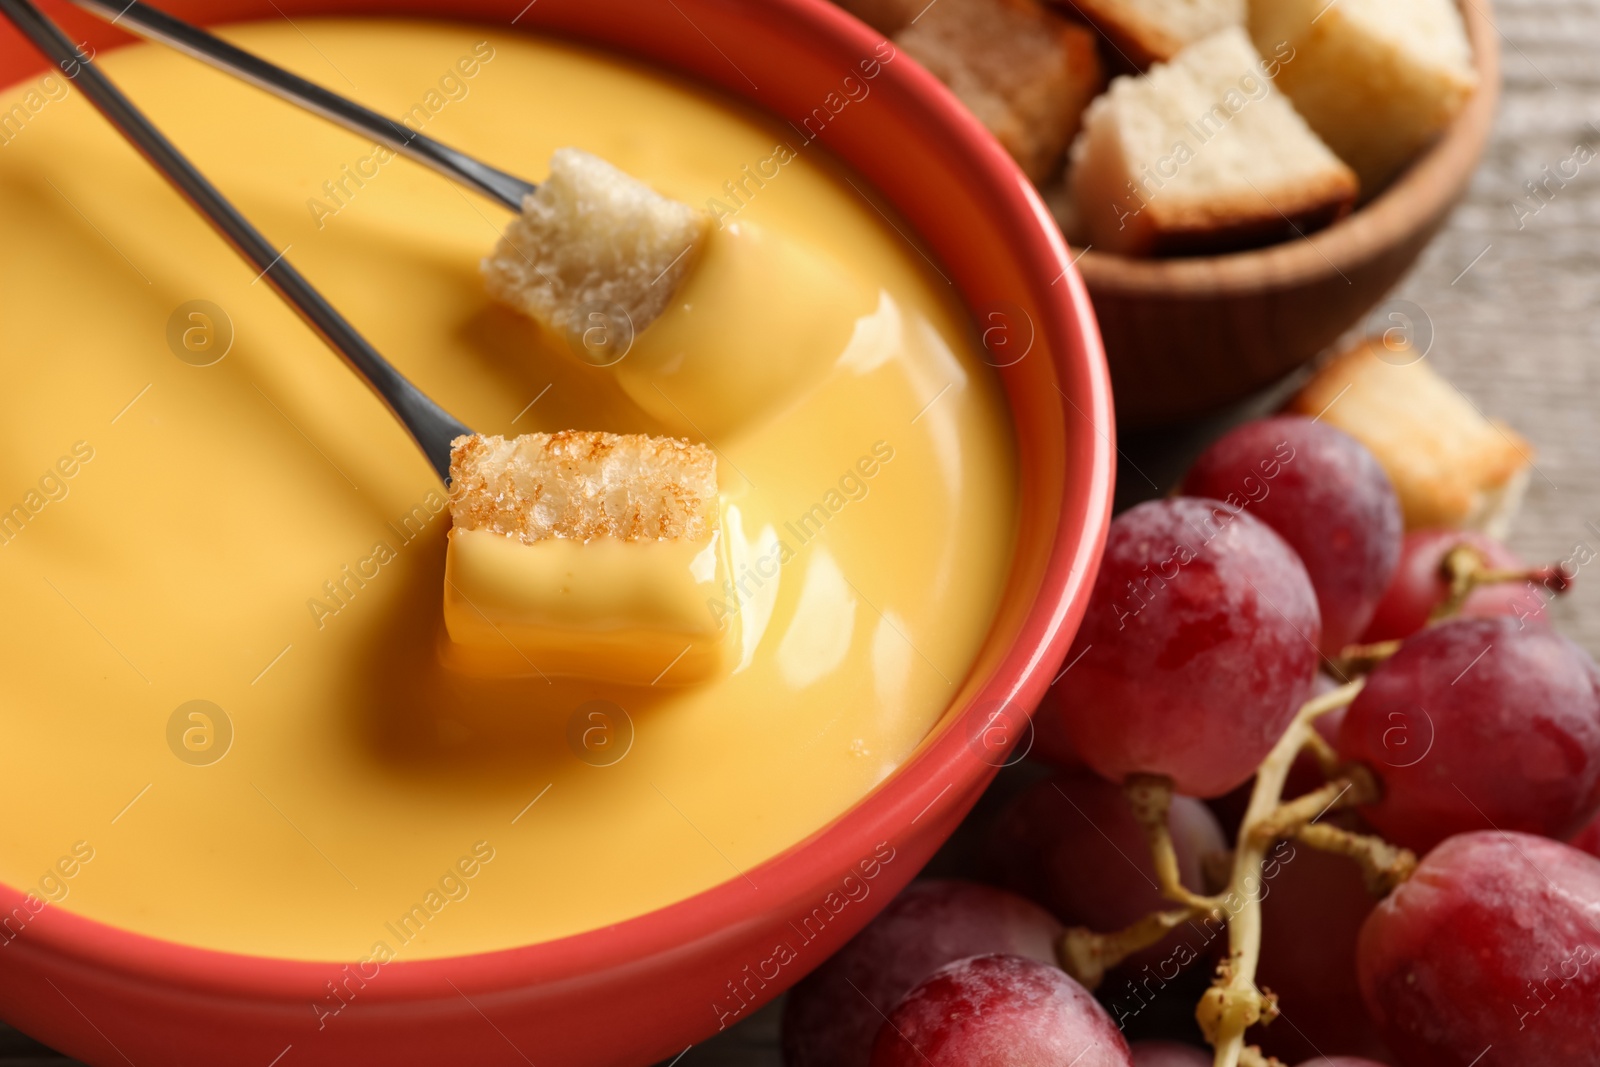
(146, 21)
(430, 425)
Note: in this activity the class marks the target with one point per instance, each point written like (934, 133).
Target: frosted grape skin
(999, 1011)
(1168, 1054)
(1198, 646)
(1491, 949)
(1327, 496)
(1478, 723)
(830, 1018)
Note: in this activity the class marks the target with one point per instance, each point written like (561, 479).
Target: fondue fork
(430, 426)
(506, 189)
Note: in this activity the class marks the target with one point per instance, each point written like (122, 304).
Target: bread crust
(1451, 467)
(1144, 37)
(1023, 70)
(582, 484)
(1246, 220)
(1142, 40)
(1133, 202)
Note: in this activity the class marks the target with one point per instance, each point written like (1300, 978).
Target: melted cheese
(259, 534)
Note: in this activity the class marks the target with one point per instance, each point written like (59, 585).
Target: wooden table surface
(1514, 301)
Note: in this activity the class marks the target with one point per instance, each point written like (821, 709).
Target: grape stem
(1234, 1004)
(1363, 659)
(1465, 569)
(1354, 785)
(1328, 759)
(1383, 865)
(1087, 955)
(1150, 797)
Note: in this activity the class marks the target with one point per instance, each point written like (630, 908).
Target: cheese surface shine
(227, 721)
(633, 612)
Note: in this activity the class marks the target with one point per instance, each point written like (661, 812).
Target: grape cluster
(1446, 719)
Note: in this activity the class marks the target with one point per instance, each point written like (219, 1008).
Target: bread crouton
(1450, 465)
(1377, 79)
(592, 239)
(1202, 154)
(1024, 71)
(586, 555)
(582, 485)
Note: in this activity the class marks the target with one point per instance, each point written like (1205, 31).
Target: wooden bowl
(1187, 336)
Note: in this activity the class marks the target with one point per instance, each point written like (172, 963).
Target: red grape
(1588, 839)
(1419, 586)
(1198, 646)
(1310, 915)
(1327, 496)
(999, 1011)
(1072, 844)
(1168, 1054)
(1489, 955)
(1050, 741)
(1478, 723)
(832, 1015)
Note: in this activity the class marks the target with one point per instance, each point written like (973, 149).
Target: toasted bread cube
(592, 239)
(582, 485)
(1450, 465)
(1025, 72)
(1202, 155)
(1377, 79)
(586, 555)
(1153, 31)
